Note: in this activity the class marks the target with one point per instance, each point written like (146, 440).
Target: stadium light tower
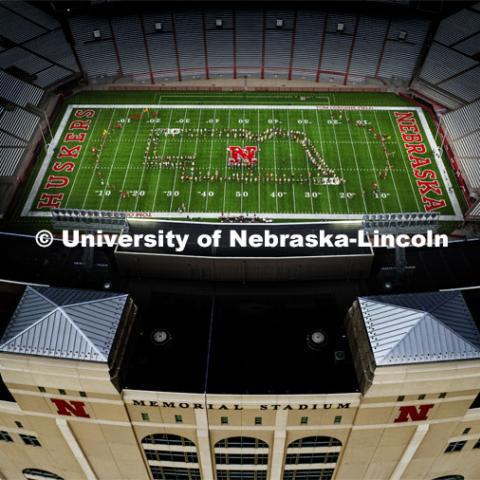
(38, 111)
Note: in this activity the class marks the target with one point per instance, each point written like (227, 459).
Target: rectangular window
(422, 397)
(442, 395)
(145, 417)
(5, 436)
(477, 445)
(466, 431)
(301, 458)
(224, 420)
(61, 391)
(178, 419)
(30, 440)
(159, 456)
(455, 446)
(258, 420)
(18, 424)
(400, 398)
(303, 420)
(83, 394)
(338, 419)
(317, 474)
(42, 389)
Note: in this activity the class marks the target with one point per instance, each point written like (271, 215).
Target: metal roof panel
(64, 323)
(426, 327)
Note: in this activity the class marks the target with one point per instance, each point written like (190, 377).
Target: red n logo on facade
(68, 408)
(413, 413)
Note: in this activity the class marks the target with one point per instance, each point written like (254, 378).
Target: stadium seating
(36, 45)
(19, 122)
(190, 43)
(128, 37)
(451, 71)
(160, 45)
(17, 125)
(249, 42)
(97, 56)
(400, 57)
(219, 42)
(9, 160)
(308, 41)
(462, 127)
(19, 92)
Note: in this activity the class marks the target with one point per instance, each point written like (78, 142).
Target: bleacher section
(219, 42)
(35, 45)
(17, 125)
(324, 46)
(97, 56)
(189, 36)
(16, 91)
(451, 71)
(462, 127)
(160, 46)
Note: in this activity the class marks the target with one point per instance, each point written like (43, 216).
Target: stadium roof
(417, 328)
(64, 323)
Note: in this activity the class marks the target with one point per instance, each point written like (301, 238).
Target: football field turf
(190, 160)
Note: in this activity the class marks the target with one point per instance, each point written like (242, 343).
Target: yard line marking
(210, 160)
(81, 161)
(95, 168)
(308, 165)
(291, 164)
(341, 171)
(241, 168)
(194, 153)
(259, 163)
(157, 183)
(323, 156)
(144, 167)
(371, 161)
(275, 164)
(225, 168)
(402, 156)
(178, 154)
(150, 134)
(116, 153)
(391, 169)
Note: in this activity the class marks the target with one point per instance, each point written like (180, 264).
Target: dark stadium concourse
(260, 342)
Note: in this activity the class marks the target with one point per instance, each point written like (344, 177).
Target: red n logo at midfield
(413, 413)
(239, 155)
(68, 408)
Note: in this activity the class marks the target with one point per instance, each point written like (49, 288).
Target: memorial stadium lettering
(426, 178)
(211, 406)
(67, 155)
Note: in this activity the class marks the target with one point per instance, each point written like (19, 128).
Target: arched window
(37, 474)
(308, 442)
(241, 451)
(180, 452)
(241, 442)
(327, 451)
(450, 477)
(167, 439)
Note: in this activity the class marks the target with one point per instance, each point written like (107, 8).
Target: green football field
(191, 160)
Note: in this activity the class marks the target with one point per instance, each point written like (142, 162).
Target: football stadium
(239, 240)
